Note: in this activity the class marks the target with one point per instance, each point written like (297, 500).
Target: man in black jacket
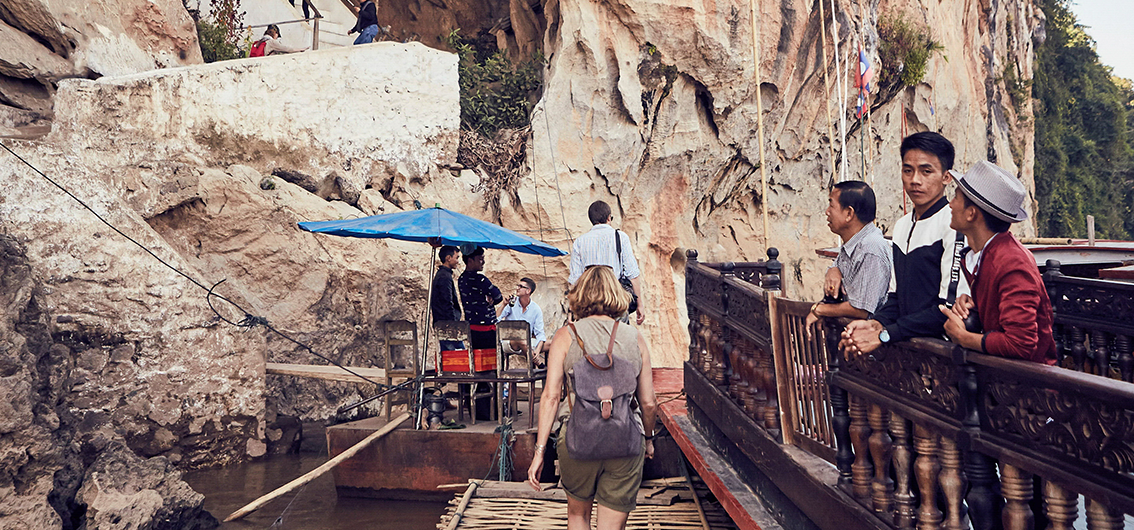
(444, 304)
(367, 24)
(924, 246)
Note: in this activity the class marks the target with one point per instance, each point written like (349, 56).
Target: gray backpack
(601, 425)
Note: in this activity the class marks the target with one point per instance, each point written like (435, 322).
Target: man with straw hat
(1007, 292)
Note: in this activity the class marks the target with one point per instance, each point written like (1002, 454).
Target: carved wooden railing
(731, 331)
(923, 425)
(805, 395)
(1094, 323)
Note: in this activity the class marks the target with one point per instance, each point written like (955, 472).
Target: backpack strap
(618, 250)
(955, 269)
(609, 356)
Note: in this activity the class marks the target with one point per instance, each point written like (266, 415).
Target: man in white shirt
(599, 247)
(521, 307)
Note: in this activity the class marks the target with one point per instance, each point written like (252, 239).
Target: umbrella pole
(425, 345)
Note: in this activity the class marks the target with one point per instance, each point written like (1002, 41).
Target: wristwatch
(884, 336)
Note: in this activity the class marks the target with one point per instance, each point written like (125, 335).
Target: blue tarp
(450, 228)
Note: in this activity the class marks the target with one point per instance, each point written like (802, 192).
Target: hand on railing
(861, 337)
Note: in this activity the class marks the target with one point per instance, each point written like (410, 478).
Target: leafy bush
(904, 49)
(494, 93)
(219, 35)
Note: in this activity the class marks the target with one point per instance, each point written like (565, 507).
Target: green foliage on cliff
(904, 49)
(495, 94)
(1084, 146)
(219, 35)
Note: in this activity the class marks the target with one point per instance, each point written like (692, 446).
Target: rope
(279, 522)
(555, 172)
(502, 458)
(248, 321)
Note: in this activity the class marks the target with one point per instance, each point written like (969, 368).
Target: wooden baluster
(840, 420)
(1102, 517)
(862, 470)
(772, 400)
(742, 375)
(731, 353)
(904, 499)
(1016, 485)
(1059, 334)
(1078, 348)
(1122, 345)
(717, 372)
(1100, 345)
(927, 467)
(983, 500)
(953, 484)
(694, 342)
(882, 449)
(751, 401)
(1062, 506)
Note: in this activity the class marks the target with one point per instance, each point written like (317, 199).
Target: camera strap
(955, 270)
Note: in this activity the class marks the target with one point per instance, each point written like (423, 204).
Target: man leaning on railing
(857, 284)
(1015, 314)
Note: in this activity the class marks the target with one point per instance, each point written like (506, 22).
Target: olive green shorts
(612, 483)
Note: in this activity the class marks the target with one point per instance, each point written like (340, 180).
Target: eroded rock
(124, 491)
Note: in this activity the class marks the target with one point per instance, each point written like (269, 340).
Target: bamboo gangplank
(315, 473)
(326, 372)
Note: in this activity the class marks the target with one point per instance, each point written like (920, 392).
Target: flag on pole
(862, 80)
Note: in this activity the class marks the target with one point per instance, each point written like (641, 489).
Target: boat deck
(663, 504)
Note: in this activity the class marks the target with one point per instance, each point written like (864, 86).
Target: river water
(315, 507)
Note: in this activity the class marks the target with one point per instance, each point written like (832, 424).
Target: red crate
(458, 360)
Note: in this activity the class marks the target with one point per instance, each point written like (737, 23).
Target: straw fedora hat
(995, 191)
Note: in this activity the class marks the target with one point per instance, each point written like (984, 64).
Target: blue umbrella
(436, 224)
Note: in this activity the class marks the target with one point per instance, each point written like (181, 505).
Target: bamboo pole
(696, 500)
(842, 94)
(456, 520)
(315, 473)
(827, 90)
(760, 120)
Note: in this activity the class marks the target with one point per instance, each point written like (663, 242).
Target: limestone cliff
(652, 106)
(649, 105)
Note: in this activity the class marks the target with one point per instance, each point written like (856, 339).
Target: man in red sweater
(1008, 293)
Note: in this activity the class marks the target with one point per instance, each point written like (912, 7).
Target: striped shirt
(865, 261)
(597, 247)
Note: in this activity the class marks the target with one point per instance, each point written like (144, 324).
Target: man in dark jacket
(444, 304)
(479, 297)
(924, 247)
(367, 25)
(1008, 293)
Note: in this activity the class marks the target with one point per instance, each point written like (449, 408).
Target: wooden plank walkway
(664, 504)
(327, 372)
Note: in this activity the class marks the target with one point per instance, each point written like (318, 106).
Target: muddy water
(316, 507)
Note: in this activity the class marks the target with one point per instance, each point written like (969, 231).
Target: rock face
(124, 491)
(652, 107)
(356, 118)
(44, 41)
(108, 353)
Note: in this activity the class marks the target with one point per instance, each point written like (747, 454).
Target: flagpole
(827, 90)
(842, 94)
(760, 120)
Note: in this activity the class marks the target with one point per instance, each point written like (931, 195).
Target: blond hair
(597, 292)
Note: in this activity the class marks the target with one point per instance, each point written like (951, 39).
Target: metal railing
(314, 24)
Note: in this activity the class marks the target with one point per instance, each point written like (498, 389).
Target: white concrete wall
(356, 111)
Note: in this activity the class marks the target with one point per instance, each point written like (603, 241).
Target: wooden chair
(399, 353)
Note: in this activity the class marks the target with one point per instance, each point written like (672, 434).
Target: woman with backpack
(270, 44)
(601, 442)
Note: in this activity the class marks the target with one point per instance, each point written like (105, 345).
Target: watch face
(884, 336)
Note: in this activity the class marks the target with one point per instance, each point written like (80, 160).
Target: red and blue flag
(862, 79)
